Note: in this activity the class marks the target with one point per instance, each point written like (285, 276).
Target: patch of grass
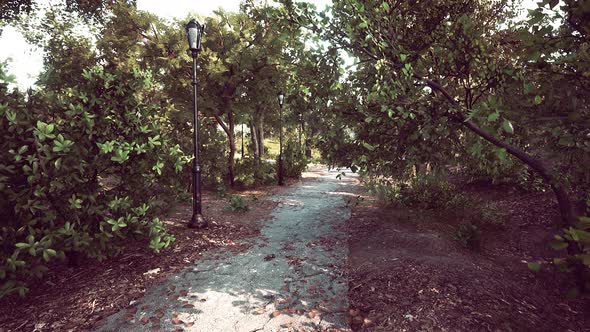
(272, 145)
(237, 204)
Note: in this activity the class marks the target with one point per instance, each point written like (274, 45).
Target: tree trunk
(231, 138)
(308, 142)
(254, 143)
(260, 132)
(232, 149)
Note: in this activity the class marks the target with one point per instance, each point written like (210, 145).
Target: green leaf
(584, 223)
(501, 153)
(580, 235)
(538, 100)
(559, 245)
(493, 117)
(403, 57)
(507, 125)
(534, 266)
(368, 146)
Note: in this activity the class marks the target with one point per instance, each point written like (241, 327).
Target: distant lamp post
(194, 32)
(281, 171)
(242, 141)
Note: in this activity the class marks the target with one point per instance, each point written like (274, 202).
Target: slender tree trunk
(260, 132)
(242, 132)
(229, 129)
(308, 142)
(232, 149)
(254, 143)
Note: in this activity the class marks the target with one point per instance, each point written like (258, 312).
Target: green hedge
(79, 171)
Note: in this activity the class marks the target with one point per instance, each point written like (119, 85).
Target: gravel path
(291, 278)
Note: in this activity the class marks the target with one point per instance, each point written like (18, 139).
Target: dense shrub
(251, 172)
(425, 192)
(80, 170)
(575, 242)
(468, 235)
(212, 153)
(237, 203)
(295, 161)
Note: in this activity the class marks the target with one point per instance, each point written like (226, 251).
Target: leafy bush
(212, 153)
(250, 172)
(488, 215)
(430, 192)
(79, 170)
(427, 192)
(294, 159)
(468, 235)
(575, 241)
(237, 204)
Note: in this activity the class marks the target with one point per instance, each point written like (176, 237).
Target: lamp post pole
(194, 32)
(300, 131)
(242, 141)
(281, 166)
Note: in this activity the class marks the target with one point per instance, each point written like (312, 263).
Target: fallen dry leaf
(276, 313)
(188, 306)
(159, 313)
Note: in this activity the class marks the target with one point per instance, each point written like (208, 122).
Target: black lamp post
(300, 131)
(194, 32)
(281, 97)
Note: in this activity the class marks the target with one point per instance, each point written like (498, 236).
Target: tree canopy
(436, 85)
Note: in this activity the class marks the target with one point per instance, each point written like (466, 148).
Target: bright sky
(26, 61)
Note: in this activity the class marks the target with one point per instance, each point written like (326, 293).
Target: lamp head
(194, 32)
(281, 97)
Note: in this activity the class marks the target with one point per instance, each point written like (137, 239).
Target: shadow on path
(291, 279)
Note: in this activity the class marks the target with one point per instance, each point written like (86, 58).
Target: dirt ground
(74, 299)
(408, 274)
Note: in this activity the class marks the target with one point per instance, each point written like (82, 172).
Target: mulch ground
(406, 273)
(75, 299)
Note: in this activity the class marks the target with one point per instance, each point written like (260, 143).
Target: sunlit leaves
(507, 126)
